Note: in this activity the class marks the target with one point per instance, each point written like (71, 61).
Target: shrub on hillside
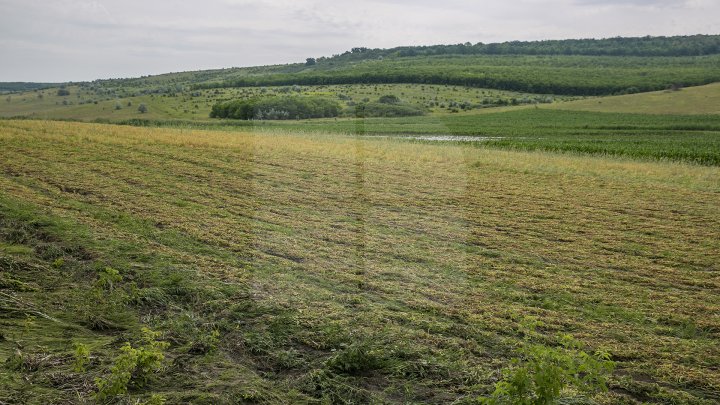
(389, 99)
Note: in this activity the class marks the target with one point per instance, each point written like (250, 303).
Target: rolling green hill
(570, 67)
(86, 102)
(479, 74)
(690, 100)
(569, 75)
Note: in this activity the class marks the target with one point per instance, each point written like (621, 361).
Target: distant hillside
(567, 67)
(573, 67)
(14, 87)
(557, 74)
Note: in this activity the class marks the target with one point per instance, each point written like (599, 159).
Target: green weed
(133, 365)
(81, 357)
(542, 375)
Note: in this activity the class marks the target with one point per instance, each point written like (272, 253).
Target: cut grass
(345, 269)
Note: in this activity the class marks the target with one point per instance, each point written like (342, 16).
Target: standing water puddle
(442, 138)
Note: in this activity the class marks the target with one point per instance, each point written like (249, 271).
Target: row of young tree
(563, 75)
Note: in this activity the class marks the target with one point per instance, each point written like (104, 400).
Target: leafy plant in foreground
(107, 278)
(543, 374)
(133, 365)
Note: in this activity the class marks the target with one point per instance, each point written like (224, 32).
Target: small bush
(107, 278)
(356, 359)
(542, 374)
(133, 365)
(206, 343)
(389, 99)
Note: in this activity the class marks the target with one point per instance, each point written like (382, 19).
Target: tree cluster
(276, 108)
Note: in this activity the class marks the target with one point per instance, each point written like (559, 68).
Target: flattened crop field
(339, 268)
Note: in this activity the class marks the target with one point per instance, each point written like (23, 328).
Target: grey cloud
(88, 39)
(642, 3)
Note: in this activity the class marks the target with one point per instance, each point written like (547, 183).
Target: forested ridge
(559, 74)
(691, 45)
(569, 67)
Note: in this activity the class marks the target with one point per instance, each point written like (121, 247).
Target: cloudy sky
(74, 40)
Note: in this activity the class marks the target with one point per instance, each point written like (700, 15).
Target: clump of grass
(355, 359)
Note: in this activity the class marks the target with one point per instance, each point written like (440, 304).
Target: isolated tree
(142, 108)
(63, 92)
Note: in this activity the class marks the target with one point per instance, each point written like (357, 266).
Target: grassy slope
(186, 106)
(690, 100)
(51, 106)
(412, 263)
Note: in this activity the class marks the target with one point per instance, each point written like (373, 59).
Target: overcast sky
(75, 40)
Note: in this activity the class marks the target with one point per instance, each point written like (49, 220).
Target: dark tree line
(16, 87)
(693, 45)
